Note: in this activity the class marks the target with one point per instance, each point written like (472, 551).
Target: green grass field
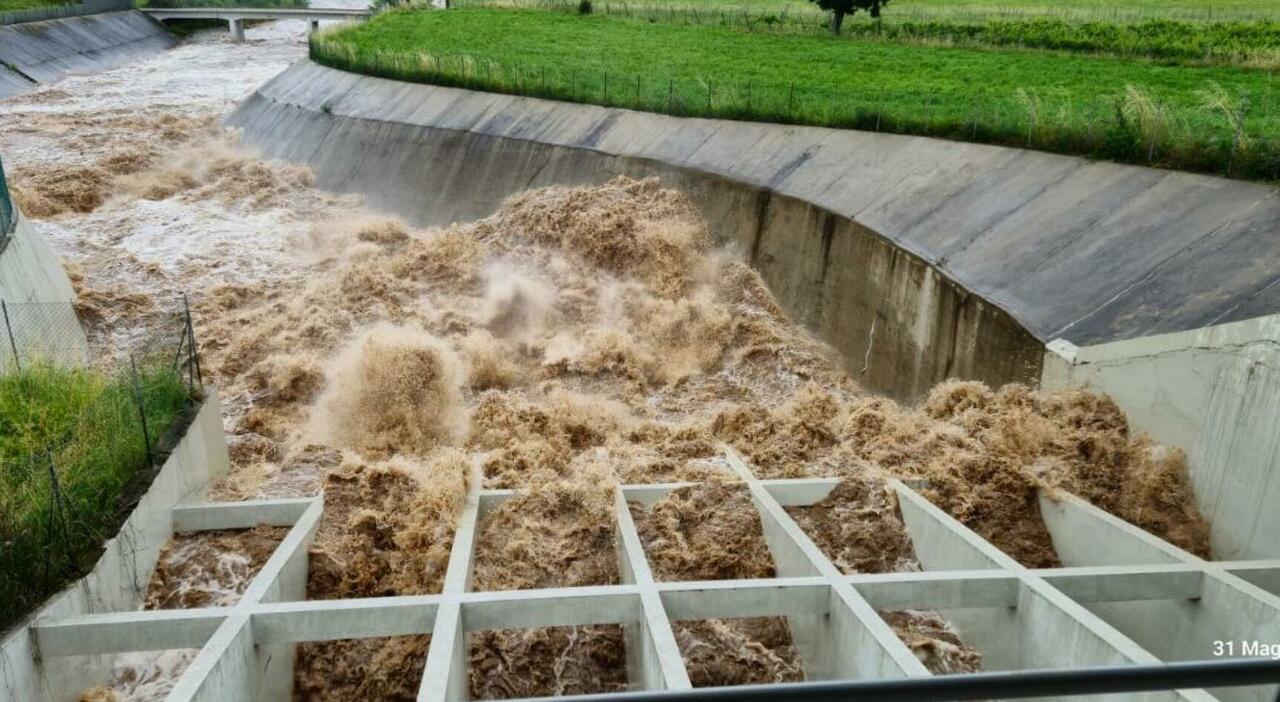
(1103, 10)
(1252, 43)
(1125, 110)
(88, 426)
(14, 5)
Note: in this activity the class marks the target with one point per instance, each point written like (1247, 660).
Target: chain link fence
(82, 433)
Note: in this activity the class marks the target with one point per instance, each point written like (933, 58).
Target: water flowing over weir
(492, 383)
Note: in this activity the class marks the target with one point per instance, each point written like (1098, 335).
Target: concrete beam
(445, 673)
(1077, 528)
(326, 620)
(876, 649)
(209, 516)
(941, 542)
(727, 599)
(225, 669)
(660, 665)
(284, 575)
(120, 632)
(532, 609)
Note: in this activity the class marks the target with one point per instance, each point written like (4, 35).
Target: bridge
(236, 16)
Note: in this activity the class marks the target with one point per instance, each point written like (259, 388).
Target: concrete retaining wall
(40, 319)
(119, 579)
(1214, 392)
(916, 258)
(42, 52)
(29, 269)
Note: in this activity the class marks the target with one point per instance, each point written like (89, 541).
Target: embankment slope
(42, 52)
(918, 259)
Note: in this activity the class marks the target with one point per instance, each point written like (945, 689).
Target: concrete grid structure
(1124, 597)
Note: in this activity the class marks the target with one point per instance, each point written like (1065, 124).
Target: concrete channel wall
(1214, 392)
(30, 271)
(918, 259)
(40, 318)
(42, 52)
(118, 581)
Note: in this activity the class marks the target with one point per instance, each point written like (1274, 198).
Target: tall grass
(72, 454)
(1100, 108)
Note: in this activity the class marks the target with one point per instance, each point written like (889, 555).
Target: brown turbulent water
(202, 569)
(576, 339)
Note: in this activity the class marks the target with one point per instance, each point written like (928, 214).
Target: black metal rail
(1236, 672)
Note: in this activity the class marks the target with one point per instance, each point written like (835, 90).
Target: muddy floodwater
(576, 339)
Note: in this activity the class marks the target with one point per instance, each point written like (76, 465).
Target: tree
(840, 8)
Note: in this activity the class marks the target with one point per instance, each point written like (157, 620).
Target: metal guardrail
(89, 7)
(8, 213)
(1236, 672)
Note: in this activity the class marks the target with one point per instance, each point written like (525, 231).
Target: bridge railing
(222, 4)
(8, 213)
(87, 7)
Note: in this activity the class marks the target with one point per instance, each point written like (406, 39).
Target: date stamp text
(1247, 648)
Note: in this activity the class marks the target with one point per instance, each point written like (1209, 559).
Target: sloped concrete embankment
(42, 52)
(31, 272)
(917, 259)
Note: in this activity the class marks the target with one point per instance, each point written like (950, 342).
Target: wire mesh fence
(81, 435)
(1135, 127)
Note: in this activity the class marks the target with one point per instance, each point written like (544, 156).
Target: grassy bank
(15, 5)
(84, 428)
(1213, 119)
(1242, 43)
(973, 10)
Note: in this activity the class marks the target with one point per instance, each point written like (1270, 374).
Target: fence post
(191, 341)
(671, 94)
(142, 411)
(17, 363)
(56, 514)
